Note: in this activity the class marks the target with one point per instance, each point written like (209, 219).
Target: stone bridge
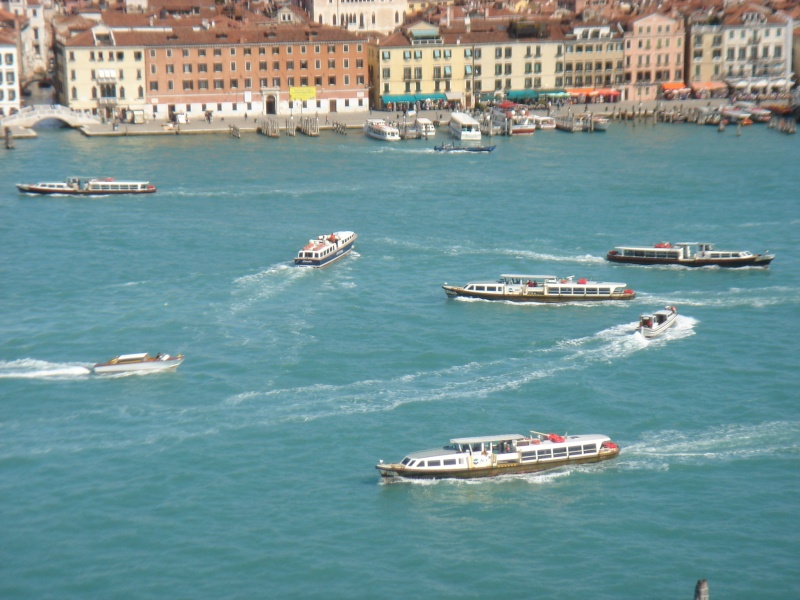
(30, 115)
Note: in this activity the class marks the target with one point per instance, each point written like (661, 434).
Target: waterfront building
(9, 72)
(381, 16)
(173, 67)
(467, 61)
(593, 63)
(705, 54)
(34, 35)
(756, 47)
(654, 56)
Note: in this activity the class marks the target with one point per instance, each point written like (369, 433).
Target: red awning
(709, 85)
(580, 91)
(673, 86)
(608, 92)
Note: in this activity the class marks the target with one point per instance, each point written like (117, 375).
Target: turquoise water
(249, 472)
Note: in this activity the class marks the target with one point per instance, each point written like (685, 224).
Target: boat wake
(662, 449)
(732, 298)
(540, 256)
(265, 284)
(31, 368)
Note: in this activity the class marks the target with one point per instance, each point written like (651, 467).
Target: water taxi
(492, 455)
(381, 130)
(689, 254)
(425, 127)
(463, 127)
(326, 249)
(657, 323)
(91, 186)
(138, 362)
(543, 122)
(541, 288)
(454, 148)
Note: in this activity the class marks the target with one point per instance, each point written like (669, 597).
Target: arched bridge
(30, 115)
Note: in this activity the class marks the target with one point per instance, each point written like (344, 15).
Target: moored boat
(325, 249)
(381, 129)
(492, 455)
(91, 186)
(652, 325)
(455, 148)
(543, 122)
(689, 254)
(599, 123)
(138, 362)
(541, 288)
(512, 119)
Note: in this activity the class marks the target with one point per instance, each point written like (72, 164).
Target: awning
(581, 91)
(522, 94)
(761, 84)
(608, 92)
(453, 95)
(741, 84)
(709, 85)
(674, 86)
(779, 84)
(433, 96)
(485, 96)
(399, 98)
(554, 93)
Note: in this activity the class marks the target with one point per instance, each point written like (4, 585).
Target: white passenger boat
(326, 249)
(381, 130)
(541, 288)
(138, 362)
(464, 127)
(492, 455)
(91, 186)
(688, 254)
(425, 127)
(657, 323)
(599, 123)
(543, 122)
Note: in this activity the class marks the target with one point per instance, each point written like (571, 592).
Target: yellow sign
(299, 94)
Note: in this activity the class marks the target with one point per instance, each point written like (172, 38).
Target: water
(249, 472)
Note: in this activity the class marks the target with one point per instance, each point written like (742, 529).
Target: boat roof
(531, 277)
(132, 356)
(487, 438)
(424, 120)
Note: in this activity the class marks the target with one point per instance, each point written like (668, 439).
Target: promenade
(343, 121)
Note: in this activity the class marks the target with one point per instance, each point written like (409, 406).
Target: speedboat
(541, 288)
(492, 455)
(454, 148)
(543, 122)
(138, 362)
(381, 130)
(657, 323)
(325, 249)
(689, 254)
(76, 186)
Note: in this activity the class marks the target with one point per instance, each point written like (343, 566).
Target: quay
(574, 119)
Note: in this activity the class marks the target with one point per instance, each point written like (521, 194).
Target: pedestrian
(245, 116)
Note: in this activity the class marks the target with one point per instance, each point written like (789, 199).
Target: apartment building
(277, 69)
(654, 56)
(594, 62)
(9, 73)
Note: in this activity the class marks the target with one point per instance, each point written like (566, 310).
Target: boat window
(575, 450)
(530, 455)
(470, 287)
(480, 288)
(589, 448)
(406, 461)
(559, 452)
(544, 453)
(591, 291)
(605, 291)
(619, 290)
(449, 461)
(434, 463)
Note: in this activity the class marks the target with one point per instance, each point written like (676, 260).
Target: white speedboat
(541, 288)
(381, 130)
(75, 186)
(492, 455)
(543, 122)
(657, 323)
(425, 127)
(325, 249)
(138, 362)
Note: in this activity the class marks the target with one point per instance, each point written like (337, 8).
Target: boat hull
(655, 331)
(40, 191)
(144, 366)
(540, 297)
(750, 261)
(400, 471)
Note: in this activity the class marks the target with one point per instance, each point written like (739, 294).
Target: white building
(9, 73)
(382, 16)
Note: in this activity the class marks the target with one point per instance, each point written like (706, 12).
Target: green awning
(522, 94)
(399, 98)
(433, 96)
(557, 93)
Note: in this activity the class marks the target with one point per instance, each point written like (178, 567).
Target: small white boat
(512, 119)
(492, 455)
(326, 249)
(543, 122)
(138, 362)
(425, 127)
(657, 323)
(381, 130)
(599, 123)
(92, 186)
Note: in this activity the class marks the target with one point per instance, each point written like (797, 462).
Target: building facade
(654, 56)
(9, 73)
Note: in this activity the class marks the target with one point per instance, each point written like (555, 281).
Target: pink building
(654, 56)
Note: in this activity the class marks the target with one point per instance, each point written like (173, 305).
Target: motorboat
(652, 325)
(91, 186)
(138, 362)
(599, 123)
(543, 122)
(689, 254)
(325, 249)
(380, 129)
(541, 288)
(455, 148)
(512, 119)
(493, 455)
(425, 127)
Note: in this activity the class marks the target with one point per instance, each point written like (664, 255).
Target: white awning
(453, 95)
(779, 84)
(741, 84)
(760, 84)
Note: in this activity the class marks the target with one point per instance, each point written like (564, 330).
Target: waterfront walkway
(338, 122)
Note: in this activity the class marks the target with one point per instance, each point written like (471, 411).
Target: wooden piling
(701, 590)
